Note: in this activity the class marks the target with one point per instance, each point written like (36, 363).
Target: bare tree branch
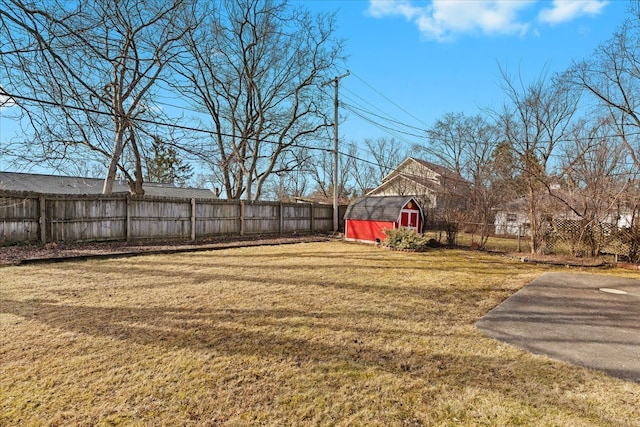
(255, 67)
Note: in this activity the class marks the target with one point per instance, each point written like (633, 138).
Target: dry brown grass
(309, 334)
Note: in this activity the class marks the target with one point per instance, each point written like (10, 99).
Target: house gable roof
(378, 208)
(406, 185)
(420, 174)
(429, 169)
(53, 184)
(441, 170)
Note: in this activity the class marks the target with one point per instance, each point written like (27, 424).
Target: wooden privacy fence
(26, 218)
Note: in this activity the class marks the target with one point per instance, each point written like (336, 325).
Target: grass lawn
(308, 334)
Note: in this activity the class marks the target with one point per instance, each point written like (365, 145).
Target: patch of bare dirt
(30, 253)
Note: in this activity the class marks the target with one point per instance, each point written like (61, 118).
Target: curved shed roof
(378, 208)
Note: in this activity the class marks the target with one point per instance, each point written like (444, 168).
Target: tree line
(102, 81)
(565, 145)
(109, 83)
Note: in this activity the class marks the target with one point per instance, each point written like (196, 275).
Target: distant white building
(512, 219)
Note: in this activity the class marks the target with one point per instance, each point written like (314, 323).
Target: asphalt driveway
(589, 320)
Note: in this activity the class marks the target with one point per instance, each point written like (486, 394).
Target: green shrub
(404, 238)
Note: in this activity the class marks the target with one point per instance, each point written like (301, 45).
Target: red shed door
(410, 219)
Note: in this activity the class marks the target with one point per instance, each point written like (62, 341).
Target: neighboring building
(53, 184)
(512, 218)
(435, 187)
(367, 217)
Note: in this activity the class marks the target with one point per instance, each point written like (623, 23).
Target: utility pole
(335, 148)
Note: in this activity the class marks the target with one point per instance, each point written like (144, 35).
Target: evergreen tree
(164, 166)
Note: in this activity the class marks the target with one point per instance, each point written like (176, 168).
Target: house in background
(367, 217)
(512, 218)
(435, 187)
(53, 184)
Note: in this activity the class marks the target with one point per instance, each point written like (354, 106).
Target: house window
(511, 217)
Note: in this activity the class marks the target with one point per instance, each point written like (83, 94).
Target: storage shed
(367, 217)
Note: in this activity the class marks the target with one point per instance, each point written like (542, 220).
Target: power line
(147, 121)
(392, 131)
(360, 113)
(181, 127)
(385, 97)
(349, 107)
(385, 118)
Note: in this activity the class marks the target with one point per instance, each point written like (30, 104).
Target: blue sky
(414, 61)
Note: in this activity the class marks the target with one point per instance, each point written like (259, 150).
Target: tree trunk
(115, 158)
(533, 222)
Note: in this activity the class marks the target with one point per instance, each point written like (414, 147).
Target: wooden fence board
(19, 219)
(217, 218)
(29, 217)
(323, 217)
(84, 219)
(166, 219)
(261, 218)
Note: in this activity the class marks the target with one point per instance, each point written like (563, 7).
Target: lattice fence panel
(582, 237)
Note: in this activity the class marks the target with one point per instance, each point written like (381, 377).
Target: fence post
(43, 219)
(281, 222)
(312, 219)
(519, 233)
(241, 218)
(127, 202)
(193, 219)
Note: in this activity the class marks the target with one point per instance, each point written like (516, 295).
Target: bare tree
(5, 99)
(85, 74)
(291, 181)
(467, 145)
(612, 76)
(287, 187)
(320, 169)
(362, 173)
(595, 178)
(449, 141)
(387, 154)
(534, 121)
(382, 156)
(255, 67)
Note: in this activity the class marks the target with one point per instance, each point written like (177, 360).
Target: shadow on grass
(447, 366)
(248, 332)
(295, 272)
(452, 357)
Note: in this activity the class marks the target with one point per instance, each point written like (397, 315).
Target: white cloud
(567, 10)
(382, 8)
(5, 99)
(488, 17)
(445, 19)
